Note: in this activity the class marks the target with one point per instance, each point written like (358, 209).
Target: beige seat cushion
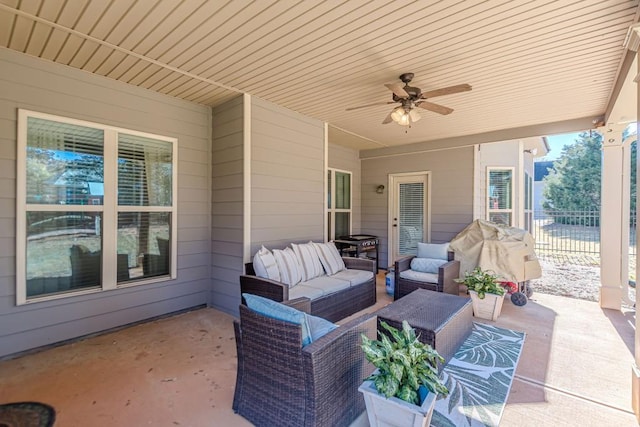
(354, 277)
(419, 276)
(317, 287)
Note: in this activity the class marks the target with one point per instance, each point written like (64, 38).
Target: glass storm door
(409, 223)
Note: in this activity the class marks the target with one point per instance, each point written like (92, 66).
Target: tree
(42, 167)
(575, 184)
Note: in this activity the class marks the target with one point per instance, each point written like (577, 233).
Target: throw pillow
(433, 250)
(329, 257)
(319, 327)
(264, 264)
(308, 261)
(288, 266)
(427, 265)
(279, 311)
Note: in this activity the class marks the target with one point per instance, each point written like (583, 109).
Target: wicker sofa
(333, 306)
(281, 383)
(442, 281)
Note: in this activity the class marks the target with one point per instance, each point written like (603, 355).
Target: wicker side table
(441, 320)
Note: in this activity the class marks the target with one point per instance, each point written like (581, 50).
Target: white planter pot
(394, 412)
(487, 308)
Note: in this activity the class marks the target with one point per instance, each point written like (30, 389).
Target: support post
(632, 44)
(612, 257)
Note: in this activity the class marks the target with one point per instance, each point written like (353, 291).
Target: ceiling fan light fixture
(414, 115)
(397, 114)
(405, 120)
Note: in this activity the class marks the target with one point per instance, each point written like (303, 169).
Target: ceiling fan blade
(446, 91)
(436, 108)
(397, 88)
(388, 119)
(369, 105)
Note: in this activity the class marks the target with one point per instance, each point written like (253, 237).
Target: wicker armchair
(446, 276)
(281, 383)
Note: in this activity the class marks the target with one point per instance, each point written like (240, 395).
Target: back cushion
(319, 327)
(427, 265)
(275, 310)
(264, 264)
(307, 256)
(433, 250)
(329, 257)
(288, 266)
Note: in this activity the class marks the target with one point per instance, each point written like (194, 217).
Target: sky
(556, 142)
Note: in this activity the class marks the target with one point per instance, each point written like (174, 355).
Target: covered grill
(507, 251)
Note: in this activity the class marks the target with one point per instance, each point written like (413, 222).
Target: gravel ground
(569, 279)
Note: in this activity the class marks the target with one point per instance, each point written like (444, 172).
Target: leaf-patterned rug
(479, 378)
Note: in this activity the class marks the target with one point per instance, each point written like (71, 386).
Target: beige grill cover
(507, 251)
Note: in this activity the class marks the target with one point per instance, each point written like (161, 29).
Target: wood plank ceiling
(529, 62)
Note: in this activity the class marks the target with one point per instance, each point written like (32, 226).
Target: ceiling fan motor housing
(414, 94)
(406, 77)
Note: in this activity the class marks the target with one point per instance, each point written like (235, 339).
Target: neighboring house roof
(542, 169)
(76, 178)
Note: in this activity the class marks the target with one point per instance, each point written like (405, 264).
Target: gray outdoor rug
(479, 378)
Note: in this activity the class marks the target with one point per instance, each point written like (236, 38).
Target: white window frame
(109, 209)
(331, 228)
(510, 210)
(528, 202)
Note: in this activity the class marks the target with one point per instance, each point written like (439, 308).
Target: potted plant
(402, 390)
(486, 291)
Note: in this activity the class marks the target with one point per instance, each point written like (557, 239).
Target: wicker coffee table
(441, 320)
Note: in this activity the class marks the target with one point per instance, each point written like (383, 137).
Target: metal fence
(573, 232)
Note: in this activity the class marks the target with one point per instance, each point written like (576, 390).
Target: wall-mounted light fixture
(380, 189)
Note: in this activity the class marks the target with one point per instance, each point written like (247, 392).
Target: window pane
(144, 242)
(411, 221)
(329, 230)
(503, 218)
(343, 190)
(500, 189)
(342, 224)
(65, 163)
(144, 171)
(63, 251)
(530, 192)
(526, 191)
(329, 189)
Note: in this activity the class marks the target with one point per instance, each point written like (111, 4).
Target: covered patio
(180, 370)
(251, 100)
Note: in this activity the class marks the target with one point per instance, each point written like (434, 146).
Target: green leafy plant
(483, 282)
(404, 364)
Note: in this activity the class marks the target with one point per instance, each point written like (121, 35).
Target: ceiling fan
(411, 97)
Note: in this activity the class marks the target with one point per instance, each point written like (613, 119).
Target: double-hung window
(96, 207)
(528, 202)
(338, 203)
(500, 192)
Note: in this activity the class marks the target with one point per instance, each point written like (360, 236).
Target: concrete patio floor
(575, 370)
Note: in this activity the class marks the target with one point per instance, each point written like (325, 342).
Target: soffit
(529, 62)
